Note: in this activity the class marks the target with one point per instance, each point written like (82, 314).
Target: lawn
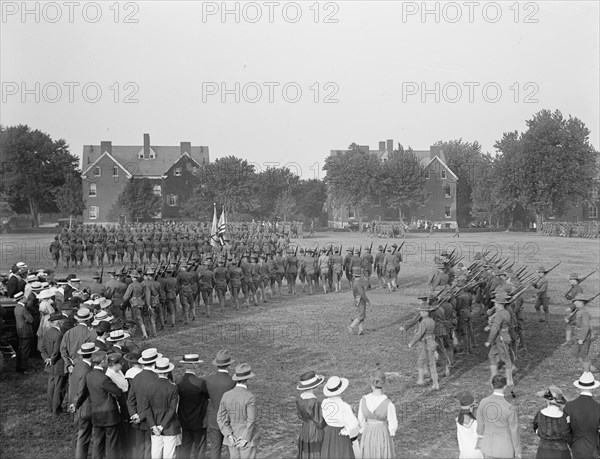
(290, 335)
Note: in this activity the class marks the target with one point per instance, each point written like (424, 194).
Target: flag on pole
(213, 232)
(222, 227)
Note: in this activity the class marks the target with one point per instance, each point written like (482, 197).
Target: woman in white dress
(46, 308)
(466, 428)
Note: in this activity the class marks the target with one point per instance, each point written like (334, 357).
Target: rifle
(574, 312)
(101, 273)
(360, 250)
(157, 272)
(579, 282)
(371, 247)
(552, 267)
(385, 248)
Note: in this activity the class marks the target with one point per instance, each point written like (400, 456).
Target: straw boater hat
(335, 386)
(223, 359)
(17, 296)
(88, 348)
(587, 381)
(36, 286)
(310, 380)
(117, 335)
(45, 294)
(163, 366)
(31, 278)
(21, 265)
(150, 355)
(191, 358)
(553, 394)
(101, 317)
(243, 372)
(83, 314)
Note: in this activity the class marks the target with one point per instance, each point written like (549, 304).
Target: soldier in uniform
(542, 298)
(206, 280)
(291, 271)
(462, 304)
(221, 277)
(111, 251)
(309, 268)
(389, 268)
(55, 248)
(378, 262)
(136, 296)
(170, 287)
(248, 287)
(164, 249)
(359, 293)
(130, 249)
(337, 268)
(583, 332)
(425, 339)
(324, 269)
(79, 249)
(265, 274)
(575, 290)
(346, 265)
(499, 338)
(120, 250)
(98, 252)
(140, 248)
(301, 273)
(114, 290)
(154, 296)
(279, 269)
(235, 282)
(186, 296)
(366, 264)
(89, 251)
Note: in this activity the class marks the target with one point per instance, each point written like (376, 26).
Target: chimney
(106, 146)
(382, 145)
(390, 145)
(146, 146)
(186, 147)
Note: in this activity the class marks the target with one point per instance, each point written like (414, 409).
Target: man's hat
(103, 326)
(243, 372)
(191, 358)
(56, 316)
(587, 381)
(133, 356)
(150, 355)
(117, 335)
(335, 386)
(21, 265)
(31, 278)
(96, 275)
(83, 314)
(541, 269)
(87, 348)
(101, 316)
(36, 286)
(310, 380)
(553, 394)
(45, 294)
(163, 366)
(18, 295)
(501, 298)
(223, 359)
(574, 276)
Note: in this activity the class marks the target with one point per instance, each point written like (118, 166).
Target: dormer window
(443, 173)
(141, 155)
(152, 155)
(177, 172)
(97, 171)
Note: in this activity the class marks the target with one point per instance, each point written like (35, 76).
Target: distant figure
(456, 231)
(431, 228)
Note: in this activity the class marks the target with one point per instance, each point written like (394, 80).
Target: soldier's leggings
(542, 302)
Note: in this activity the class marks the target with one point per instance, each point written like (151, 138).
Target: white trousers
(163, 447)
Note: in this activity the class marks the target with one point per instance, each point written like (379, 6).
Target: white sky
(375, 58)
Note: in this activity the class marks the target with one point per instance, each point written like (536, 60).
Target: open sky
(282, 83)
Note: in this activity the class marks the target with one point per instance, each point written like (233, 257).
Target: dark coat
(216, 385)
(50, 349)
(193, 402)
(161, 406)
(103, 394)
(584, 412)
(136, 397)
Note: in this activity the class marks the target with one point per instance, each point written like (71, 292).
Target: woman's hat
(587, 381)
(45, 294)
(88, 348)
(104, 303)
(378, 379)
(243, 372)
(191, 358)
(150, 355)
(83, 314)
(163, 366)
(335, 386)
(223, 359)
(553, 394)
(117, 335)
(310, 380)
(466, 399)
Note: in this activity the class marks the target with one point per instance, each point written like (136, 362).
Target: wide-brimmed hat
(104, 303)
(45, 294)
(501, 297)
(223, 359)
(133, 356)
(102, 316)
(163, 366)
(466, 399)
(149, 355)
(553, 394)
(310, 380)
(191, 358)
(31, 278)
(574, 276)
(242, 372)
(580, 297)
(83, 314)
(541, 269)
(335, 386)
(36, 286)
(88, 348)
(377, 379)
(56, 316)
(587, 381)
(18, 295)
(117, 335)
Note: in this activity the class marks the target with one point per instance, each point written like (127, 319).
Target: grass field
(288, 336)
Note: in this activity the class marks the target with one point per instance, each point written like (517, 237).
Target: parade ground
(292, 334)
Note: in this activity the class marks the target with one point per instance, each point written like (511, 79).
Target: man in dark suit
(103, 394)
(193, 401)
(54, 364)
(25, 333)
(136, 402)
(102, 330)
(584, 413)
(216, 385)
(498, 424)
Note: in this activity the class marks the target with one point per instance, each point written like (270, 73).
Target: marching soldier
(542, 299)
(366, 263)
(186, 296)
(111, 251)
(389, 268)
(55, 248)
(120, 244)
(155, 298)
(171, 289)
(291, 271)
(425, 339)
(575, 290)
(499, 338)
(130, 249)
(98, 253)
(206, 280)
(379, 257)
(135, 296)
(265, 273)
(359, 293)
(89, 252)
(462, 304)
(583, 331)
(337, 268)
(221, 277)
(235, 282)
(114, 290)
(324, 267)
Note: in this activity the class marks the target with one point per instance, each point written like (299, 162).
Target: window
(593, 212)
(93, 212)
(177, 172)
(426, 175)
(157, 190)
(97, 171)
(448, 191)
(172, 200)
(152, 155)
(443, 173)
(447, 212)
(141, 155)
(194, 170)
(92, 189)
(378, 201)
(350, 212)
(115, 171)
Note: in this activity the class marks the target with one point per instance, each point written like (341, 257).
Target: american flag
(214, 235)
(222, 227)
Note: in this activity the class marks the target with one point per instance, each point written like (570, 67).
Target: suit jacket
(24, 322)
(76, 383)
(50, 349)
(161, 406)
(237, 416)
(139, 387)
(498, 424)
(216, 385)
(103, 345)
(584, 412)
(103, 394)
(72, 341)
(193, 402)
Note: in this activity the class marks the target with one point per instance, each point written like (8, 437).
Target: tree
(403, 180)
(69, 196)
(6, 209)
(270, 184)
(553, 162)
(285, 204)
(484, 192)
(138, 199)
(311, 196)
(463, 158)
(33, 167)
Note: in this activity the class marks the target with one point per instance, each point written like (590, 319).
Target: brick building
(108, 168)
(440, 185)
